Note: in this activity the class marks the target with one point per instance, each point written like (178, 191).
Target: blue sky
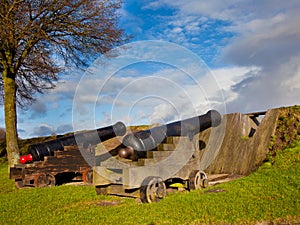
(185, 58)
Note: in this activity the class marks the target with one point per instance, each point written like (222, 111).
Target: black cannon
(150, 139)
(150, 161)
(38, 151)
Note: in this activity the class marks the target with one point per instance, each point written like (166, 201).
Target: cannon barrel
(39, 150)
(150, 139)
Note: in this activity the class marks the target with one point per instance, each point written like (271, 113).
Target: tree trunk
(10, 114)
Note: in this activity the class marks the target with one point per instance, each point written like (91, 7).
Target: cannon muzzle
(149, 139)
(38, 151)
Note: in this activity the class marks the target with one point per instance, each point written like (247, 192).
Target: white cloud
(43, 130)
(271, 43)
(292, 84)
(259, 46)
(64, 128)
(38, 109)
(178, 91)
(228, 9)
(267, 36)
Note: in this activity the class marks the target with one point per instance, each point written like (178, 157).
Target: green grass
(271, 194)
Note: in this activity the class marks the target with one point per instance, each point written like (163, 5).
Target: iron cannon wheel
(197, 180)
(153, 189)
(44, 180)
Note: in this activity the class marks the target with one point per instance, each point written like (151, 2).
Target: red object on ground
(26, 159)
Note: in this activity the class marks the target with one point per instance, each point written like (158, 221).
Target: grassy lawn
(271, 194)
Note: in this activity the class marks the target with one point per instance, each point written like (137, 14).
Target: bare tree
(39, 38)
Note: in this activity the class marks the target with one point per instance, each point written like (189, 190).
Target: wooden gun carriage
(63, 159)
(149, 161)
